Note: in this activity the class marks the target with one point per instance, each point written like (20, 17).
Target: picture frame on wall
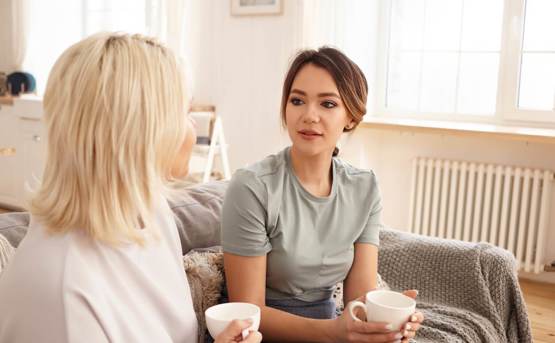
(256, 7)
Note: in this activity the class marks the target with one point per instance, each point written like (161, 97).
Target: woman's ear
(350, 125)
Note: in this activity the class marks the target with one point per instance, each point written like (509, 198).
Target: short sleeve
(244, 214)
(371, 232)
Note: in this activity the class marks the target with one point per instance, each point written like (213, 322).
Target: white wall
(390, 153)
(238, 65)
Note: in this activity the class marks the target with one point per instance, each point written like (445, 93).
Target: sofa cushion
(197, 213)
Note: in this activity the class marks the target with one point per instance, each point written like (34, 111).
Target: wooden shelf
(528, 134)
(6, 100)
(7, 151)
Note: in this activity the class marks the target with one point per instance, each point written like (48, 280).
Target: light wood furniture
(210, 144)
(22, 148)
(6, 100)
(7, 151)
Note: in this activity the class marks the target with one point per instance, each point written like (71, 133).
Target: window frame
(506, 109)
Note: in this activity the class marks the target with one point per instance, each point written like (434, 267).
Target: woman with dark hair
(300, 221)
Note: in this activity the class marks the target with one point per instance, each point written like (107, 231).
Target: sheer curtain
(350, 25)
(56, 24)
(168, 21)
(19, 29)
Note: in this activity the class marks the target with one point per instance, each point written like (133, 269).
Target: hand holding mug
(396, 309)
(348, 330)
(234, 322)
(415, 320)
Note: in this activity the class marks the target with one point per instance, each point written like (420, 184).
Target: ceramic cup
(385, 306)
(218, 317)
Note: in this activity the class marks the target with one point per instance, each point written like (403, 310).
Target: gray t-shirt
(309, 241)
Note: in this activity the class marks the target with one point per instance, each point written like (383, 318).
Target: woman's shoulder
(346, 170)
(263, 170)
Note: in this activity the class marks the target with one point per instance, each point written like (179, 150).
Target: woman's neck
(313, 172)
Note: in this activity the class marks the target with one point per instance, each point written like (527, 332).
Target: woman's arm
(246, 282)
(363, 275)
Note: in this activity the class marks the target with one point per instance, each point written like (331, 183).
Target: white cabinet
(8, 164)
(33, 148)
(22, 129)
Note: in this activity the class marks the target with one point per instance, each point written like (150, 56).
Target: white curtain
(350, 25)
(19, 33)
(167, 20)
(323, 23)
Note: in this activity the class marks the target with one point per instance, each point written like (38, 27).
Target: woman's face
(315, 115)
(180, 166)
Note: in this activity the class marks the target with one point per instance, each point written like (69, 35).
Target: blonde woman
(102, 259)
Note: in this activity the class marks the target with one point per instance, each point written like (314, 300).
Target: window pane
(478, 83)
(482, 24)
(432, 43)
(539, 25)
(407, 25)
(122, 15)
(537, 70)
(439, 78)
(537, 81)
(443, 25)
(403, 81)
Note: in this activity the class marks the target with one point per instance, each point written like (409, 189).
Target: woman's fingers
(409, 334)
(411, 293)
(370, 327)
(234, 329)
(253, 337)
(417, 317)
(375, 338)
(411, 327)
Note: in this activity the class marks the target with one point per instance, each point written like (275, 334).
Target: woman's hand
(410, 328)
(232, 333)
(348, 330)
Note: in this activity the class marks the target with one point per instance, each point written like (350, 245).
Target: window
(478, 60)
(537, 75)
(109, 15)
(51, 33)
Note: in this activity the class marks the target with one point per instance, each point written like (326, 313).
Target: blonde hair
(115, 108)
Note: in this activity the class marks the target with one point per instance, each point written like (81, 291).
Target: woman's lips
(309, 134)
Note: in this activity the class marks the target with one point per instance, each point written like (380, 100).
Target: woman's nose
(311, 115)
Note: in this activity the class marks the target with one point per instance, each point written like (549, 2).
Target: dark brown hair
(350, 80)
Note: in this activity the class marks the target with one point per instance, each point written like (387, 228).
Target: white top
(68, 288)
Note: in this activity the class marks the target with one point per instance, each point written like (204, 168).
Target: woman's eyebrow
(332, 94)
(320, 95)
(298, 91)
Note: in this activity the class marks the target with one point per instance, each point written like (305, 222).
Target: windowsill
(519, 133)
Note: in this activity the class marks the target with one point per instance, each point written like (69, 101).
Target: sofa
(468, 292)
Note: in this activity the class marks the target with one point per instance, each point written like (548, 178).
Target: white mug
(218, 317)
(385, 306)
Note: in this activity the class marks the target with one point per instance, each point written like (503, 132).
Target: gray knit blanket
(469, 292)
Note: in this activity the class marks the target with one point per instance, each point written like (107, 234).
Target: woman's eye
(329, 104)
(296, 101)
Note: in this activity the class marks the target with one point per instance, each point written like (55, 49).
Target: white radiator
(503, 205)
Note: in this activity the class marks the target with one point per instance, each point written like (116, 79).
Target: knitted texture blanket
(469, 292)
